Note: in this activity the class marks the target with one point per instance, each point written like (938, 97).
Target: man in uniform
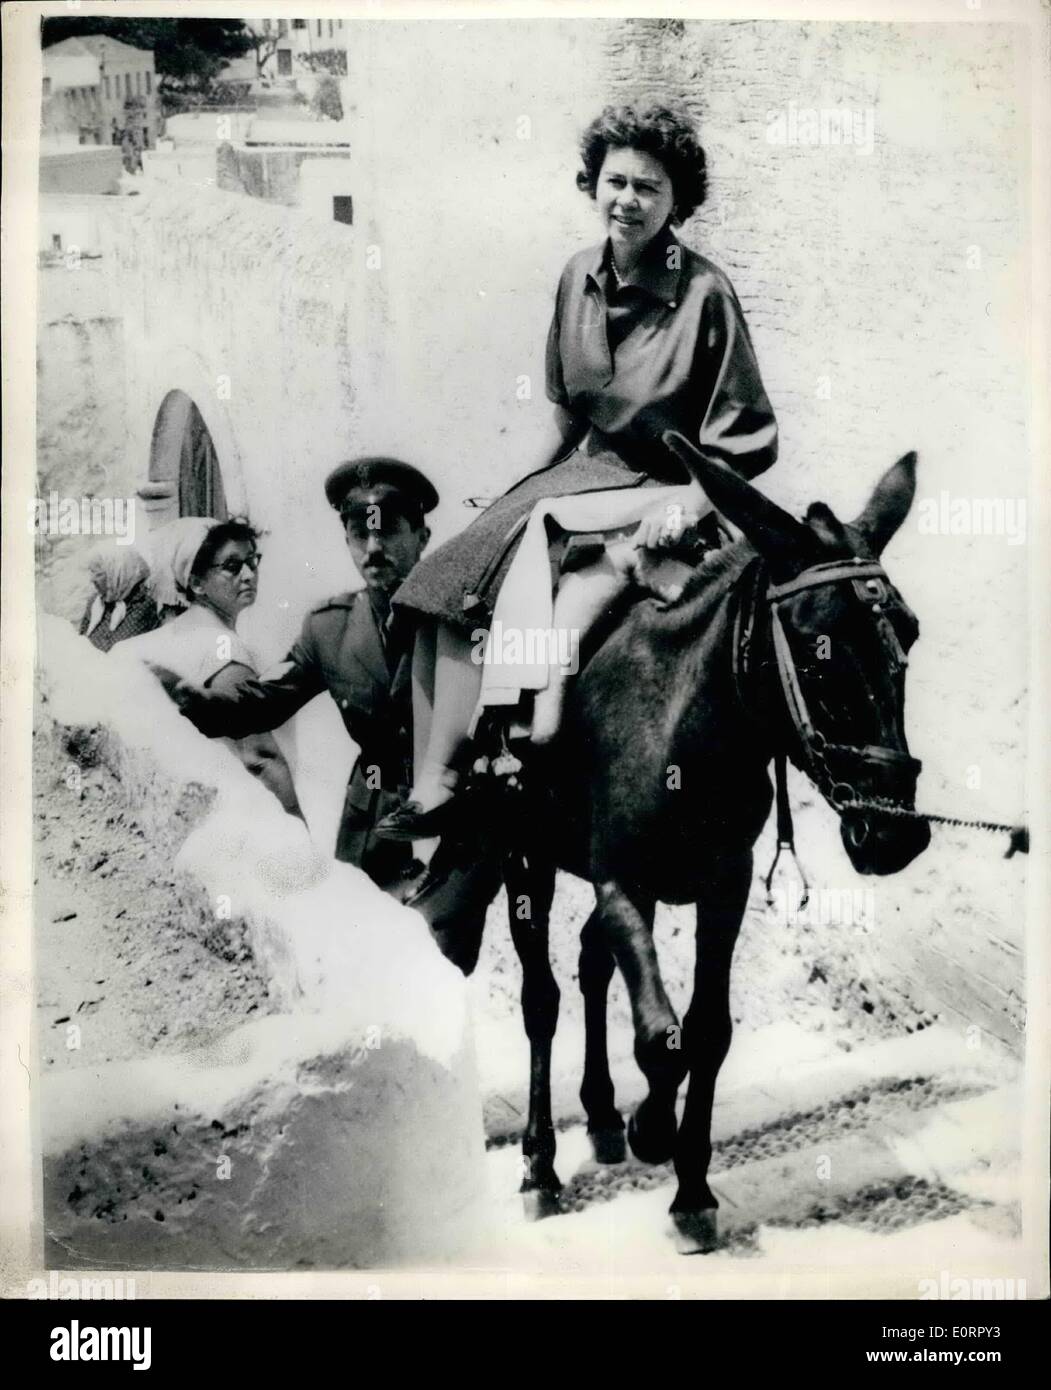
(347, 647)
(351, 648)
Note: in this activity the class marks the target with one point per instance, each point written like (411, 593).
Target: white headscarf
(174, 548)
(115, 570)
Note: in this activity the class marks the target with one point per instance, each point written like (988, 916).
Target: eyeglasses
(234, 567)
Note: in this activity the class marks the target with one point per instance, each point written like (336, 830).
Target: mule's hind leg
(530, 890)
(605, 1122)
(627, 926)
(707, 1028)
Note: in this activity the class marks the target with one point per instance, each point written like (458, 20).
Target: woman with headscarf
(123, 605)
(208, 568)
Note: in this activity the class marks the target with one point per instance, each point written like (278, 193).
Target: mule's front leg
(707, 1029)
(530, 890)
(627, 924)
(605, 1123)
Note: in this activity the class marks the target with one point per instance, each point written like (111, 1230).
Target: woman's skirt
(459, 581)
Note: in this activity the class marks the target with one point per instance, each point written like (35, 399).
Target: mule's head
(841, 649)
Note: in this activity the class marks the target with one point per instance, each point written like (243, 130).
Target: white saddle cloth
(522, 643)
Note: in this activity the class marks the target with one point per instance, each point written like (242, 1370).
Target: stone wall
(86, 169)
(273, 174)
(250, 309)
(82, 410)
(853, 263)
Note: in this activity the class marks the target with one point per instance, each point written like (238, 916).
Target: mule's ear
(776, 535)
(889, 504)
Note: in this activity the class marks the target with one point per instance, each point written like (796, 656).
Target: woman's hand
(680, 512)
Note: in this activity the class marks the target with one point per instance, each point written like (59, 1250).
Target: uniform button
(673, 303)
(343, 704)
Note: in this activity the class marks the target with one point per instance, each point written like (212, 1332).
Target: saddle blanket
(522, 643)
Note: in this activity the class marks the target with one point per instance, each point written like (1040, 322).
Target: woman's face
(229, 583)
(635, 198)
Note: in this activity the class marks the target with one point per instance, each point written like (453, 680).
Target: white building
(296, 40)
(96, 87)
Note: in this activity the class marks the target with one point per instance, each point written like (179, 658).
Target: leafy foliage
(188, 53)
(327, 102)
(330, 60)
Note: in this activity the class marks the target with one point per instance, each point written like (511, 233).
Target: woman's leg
(583, 595)
(423, 657)
(457, 682)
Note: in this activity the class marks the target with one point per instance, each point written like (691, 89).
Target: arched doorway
(185, 476)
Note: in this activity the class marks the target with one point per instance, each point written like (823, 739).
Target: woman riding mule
(646, 336)
(791, 642)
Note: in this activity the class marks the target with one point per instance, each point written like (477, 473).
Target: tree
(264, 43)
(188, 53)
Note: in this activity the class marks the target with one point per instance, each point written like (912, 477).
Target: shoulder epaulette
(346, 600)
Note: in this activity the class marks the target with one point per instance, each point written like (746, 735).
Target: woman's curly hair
(237, 528)
(667, 135)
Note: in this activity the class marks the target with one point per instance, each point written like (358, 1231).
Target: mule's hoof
(696, 1232)
(653, 1141)
(539, 1202)
(608, 1145)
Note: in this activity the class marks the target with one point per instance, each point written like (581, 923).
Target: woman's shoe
(411, 822)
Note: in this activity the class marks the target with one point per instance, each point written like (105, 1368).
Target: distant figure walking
(130, 151)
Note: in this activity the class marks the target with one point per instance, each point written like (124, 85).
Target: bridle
(818, 754)
(873, 587)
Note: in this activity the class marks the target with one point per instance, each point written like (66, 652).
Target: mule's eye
(904, 620)
(908, 629)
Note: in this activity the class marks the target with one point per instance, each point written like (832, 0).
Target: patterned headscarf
(115, 570)
(174, 548)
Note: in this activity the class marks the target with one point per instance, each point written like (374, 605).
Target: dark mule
(790, 641)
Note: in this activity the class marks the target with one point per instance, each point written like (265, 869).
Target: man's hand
(672, 520)
(182, 692)
(167, 678)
